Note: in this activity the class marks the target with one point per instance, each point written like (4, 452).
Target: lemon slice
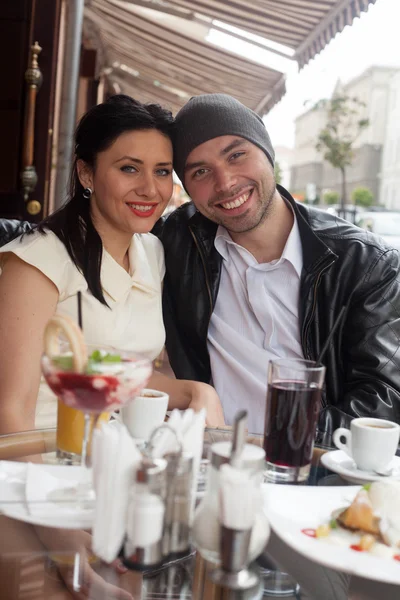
(74, 336)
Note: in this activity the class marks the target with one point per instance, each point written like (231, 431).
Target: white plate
(339, 462)
(292, 508)
(13, 502)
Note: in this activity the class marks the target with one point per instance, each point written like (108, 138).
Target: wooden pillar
(88, 84)
(14, 43)
(45, 29)
(22, 22)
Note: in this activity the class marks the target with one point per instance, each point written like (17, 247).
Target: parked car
(350, 212)
(384, 224)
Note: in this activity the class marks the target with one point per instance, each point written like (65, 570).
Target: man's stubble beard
(266, 195)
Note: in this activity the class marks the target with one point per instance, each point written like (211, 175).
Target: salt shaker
(206, 525)
(179, 500)
(146, 513)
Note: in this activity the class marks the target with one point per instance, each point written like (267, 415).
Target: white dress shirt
(255, 320)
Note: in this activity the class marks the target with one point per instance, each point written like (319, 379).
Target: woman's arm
(28, 299)
(190, 394)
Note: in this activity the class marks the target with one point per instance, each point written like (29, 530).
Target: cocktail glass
(105, 385)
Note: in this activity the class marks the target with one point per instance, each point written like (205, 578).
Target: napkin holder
(158, 527)
(176, 540)
(166, 441)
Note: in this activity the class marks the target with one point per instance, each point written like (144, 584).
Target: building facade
(390, 169)
(308, 165)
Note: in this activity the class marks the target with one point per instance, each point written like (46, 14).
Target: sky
(373, 39)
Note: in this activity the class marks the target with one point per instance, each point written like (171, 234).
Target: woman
(98, 244)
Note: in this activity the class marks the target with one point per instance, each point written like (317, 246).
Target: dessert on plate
(371, 523)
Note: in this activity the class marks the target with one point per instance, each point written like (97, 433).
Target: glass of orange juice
(70, 432)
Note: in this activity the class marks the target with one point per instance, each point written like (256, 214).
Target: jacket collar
(315, 251)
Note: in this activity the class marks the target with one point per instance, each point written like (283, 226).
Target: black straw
(80, 322)
(328, 340)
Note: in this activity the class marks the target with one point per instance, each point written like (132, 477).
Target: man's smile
(236, 205)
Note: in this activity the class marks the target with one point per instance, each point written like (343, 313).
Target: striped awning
(306, 26)
(154, 61)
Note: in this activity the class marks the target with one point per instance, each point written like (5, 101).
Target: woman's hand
(82, 581)
(205, 396)
(184, 393)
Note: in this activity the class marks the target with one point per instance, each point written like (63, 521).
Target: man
(252, 276)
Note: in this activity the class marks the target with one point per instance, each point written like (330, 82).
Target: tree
(336, 140)
(278, 172)
(331, 197)
(362, 196)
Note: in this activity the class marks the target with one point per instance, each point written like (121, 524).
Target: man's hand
(205, 396)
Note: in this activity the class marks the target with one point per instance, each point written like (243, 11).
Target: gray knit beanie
(211, 115)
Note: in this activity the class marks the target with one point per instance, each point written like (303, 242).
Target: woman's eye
(164, 172)
(128, 169)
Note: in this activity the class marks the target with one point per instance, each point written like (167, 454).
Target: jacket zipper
(205, 272)
(307, 327)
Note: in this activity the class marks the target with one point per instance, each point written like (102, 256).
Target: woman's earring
(87, 192)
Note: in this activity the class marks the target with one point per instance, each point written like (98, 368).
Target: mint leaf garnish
(64, 362)
(96, 356)
(115, 358)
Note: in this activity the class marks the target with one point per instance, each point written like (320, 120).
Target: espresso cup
(371, 443)
(145, 413)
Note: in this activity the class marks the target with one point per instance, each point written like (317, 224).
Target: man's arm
(371, 350)
(185, 360)
(176, 349)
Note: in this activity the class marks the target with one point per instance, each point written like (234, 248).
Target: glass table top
(41, 562)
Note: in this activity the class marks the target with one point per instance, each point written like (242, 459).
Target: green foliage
(362, 196)
(343, 126)
(331, 197)
(278, 172)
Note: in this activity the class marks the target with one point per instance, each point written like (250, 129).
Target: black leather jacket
(342, 265)
(12, 228)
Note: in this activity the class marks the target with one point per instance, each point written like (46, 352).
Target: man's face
(231, 182)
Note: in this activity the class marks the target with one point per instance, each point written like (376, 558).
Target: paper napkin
(115, 459)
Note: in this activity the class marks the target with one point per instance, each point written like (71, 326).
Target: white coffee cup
(144, 413)
(371, 443)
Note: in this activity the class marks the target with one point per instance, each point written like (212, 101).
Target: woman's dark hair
(96, 132)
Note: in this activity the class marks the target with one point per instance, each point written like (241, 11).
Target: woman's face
(132, 182)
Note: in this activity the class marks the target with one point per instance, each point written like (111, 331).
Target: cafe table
(41, 563)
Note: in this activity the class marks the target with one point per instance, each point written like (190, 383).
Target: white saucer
(339, 462)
